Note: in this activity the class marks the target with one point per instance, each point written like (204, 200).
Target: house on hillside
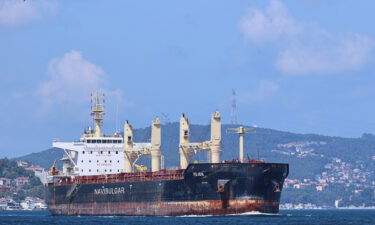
(35, 169)
(3, 203)
(5, 184)
(20, 181)
(22, 164)
(5, 181)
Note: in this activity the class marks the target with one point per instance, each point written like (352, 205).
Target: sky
(304, 66)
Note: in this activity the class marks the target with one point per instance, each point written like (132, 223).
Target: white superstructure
(92, 156)
(97, 154)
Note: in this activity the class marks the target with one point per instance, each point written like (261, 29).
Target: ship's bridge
(94, 155)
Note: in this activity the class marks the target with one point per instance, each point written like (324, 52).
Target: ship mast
(97, 111)
(241, 131)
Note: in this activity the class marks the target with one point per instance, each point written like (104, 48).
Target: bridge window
(88, 141)
(109, 141)
(99, 141)
(104, 141)
(93, 141)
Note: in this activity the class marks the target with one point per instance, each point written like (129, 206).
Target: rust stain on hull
(213, 207)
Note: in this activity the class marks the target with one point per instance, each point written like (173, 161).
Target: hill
(43, 158)
(304, 152)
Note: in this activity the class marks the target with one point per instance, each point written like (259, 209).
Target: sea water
(285, 217)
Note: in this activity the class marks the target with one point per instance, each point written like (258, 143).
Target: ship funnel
(128, 147)
(215, 144)
(184, 142)
(155, 145)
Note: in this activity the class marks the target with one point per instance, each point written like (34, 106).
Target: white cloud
(71, 79)
(15, 12)
(349, 54)
(306, 49)
(265, 89)
(272, 23)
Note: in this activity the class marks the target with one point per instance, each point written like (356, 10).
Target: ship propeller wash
(101, 177)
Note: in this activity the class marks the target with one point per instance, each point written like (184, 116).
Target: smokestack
(215, 144)
(128, 147)
(155, 145)
(184, 142)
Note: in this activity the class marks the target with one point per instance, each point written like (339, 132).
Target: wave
(255, 213)
(252, 213)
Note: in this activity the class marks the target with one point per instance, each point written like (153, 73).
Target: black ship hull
(202, 189)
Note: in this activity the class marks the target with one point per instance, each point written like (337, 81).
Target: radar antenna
(97, 111)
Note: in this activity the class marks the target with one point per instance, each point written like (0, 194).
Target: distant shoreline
(341, 208)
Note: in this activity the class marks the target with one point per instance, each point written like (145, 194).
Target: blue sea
(313, 217)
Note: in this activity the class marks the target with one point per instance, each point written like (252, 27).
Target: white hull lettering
(109, 191)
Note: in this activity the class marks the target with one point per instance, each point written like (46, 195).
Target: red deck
(122, 177)
(132, 177)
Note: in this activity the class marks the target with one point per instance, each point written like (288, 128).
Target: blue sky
(300, 65)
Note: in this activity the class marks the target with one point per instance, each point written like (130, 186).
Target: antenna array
(97, 111)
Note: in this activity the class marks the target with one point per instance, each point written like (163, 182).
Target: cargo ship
(100, 175)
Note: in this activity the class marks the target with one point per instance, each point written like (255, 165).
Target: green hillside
(258, 143)
(44, 158)
(9, 169)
